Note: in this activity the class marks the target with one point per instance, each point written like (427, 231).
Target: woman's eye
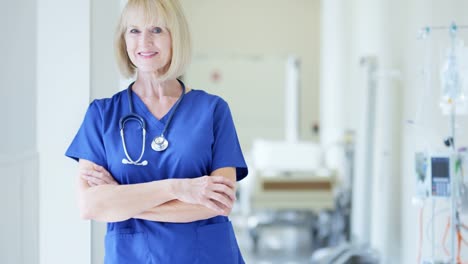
(157, 30)
(133, 30)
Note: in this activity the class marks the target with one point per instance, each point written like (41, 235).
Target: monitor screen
(440, 167)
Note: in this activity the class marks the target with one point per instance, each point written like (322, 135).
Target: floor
(277, 244)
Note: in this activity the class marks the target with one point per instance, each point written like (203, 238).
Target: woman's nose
(146, 38)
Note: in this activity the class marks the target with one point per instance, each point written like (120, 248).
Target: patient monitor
(434, 174)
(440, 172)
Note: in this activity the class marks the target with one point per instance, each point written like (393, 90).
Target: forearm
(176, 211)
(113, 203)
(101, 198)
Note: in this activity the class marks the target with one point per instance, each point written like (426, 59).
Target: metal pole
(452, 189)
(453, 31)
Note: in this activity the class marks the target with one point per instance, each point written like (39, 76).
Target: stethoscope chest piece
(159, 143)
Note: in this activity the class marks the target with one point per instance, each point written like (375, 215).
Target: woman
(159, 161)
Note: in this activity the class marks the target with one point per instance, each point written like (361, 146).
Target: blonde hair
(166, 13)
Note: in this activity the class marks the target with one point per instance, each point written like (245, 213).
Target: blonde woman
(159, 161)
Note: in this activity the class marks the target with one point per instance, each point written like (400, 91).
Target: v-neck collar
(141, 106)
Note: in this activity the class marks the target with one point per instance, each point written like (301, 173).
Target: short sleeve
(88, 143)
(226, 148)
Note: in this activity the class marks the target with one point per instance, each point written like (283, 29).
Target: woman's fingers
(91, 184)
(109, 179)
(224, 189)
(213, 206)
(221, 199)
(214, 192)
(223, 180)
(94, 180)
(217, 207)
(225, 211)
(105, 174)
(93, 175)
(98, 177)
(98, 168)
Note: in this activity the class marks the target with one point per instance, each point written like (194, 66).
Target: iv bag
(452, 80)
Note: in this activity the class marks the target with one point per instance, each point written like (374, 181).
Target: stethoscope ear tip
(126, 162)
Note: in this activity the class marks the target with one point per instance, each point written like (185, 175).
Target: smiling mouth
(147, 54)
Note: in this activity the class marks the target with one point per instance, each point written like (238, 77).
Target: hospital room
(228, 132)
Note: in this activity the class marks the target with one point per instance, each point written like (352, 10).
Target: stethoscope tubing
(159, 143)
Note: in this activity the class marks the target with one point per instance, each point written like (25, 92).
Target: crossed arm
(101, 198)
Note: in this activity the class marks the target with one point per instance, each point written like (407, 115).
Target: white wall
(263, 27)
(104, 72)
(18, 74)
(18, 156)
(63, 85)
(19, 226)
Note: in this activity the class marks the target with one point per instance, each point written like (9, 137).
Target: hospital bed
(290, 176)
(288, 186)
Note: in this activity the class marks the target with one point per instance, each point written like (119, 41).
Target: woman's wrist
(175, 187)
(168, 187)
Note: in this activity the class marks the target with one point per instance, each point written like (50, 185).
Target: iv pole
(453, 196)
(451, 89)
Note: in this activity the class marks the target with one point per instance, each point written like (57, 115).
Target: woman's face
(149, 47)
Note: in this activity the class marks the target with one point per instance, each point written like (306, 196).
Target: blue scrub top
(202, 138)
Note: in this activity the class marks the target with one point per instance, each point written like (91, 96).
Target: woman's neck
(153, 88)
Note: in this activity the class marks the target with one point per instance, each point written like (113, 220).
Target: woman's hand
(97, 176)
(214, 192)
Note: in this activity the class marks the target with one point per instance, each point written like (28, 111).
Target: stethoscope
(159, 143)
